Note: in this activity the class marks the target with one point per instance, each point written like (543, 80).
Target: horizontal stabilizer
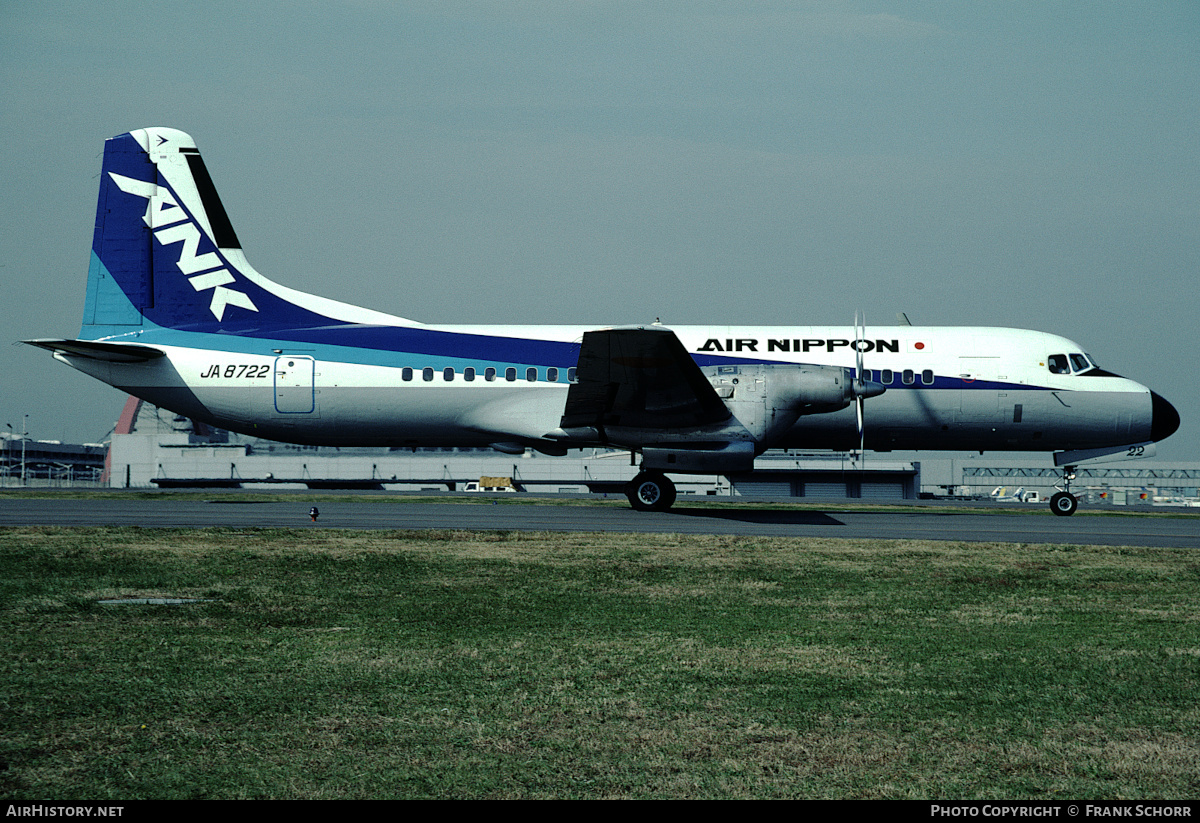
(108, 352)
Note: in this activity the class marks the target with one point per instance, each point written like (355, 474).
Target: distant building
(49, 462)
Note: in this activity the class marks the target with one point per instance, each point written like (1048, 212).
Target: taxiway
(1167, 529)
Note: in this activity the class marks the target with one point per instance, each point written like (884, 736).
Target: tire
(651, 492)
(1063, 504)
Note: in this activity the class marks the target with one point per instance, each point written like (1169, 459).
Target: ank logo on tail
(170, 223)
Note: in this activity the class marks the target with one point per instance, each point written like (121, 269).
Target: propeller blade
(862, 434)
(860, 332)
(860, 381)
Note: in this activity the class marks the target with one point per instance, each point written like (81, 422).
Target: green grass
(502, 665)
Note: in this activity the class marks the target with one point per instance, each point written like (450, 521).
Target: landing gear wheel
(651, 492)
(1063, 504)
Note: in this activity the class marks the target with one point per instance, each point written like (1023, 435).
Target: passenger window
(909, 377)
(886, 377)
(571, 375)
(927, 377)
(448, 374)
(406, 374)
(489, 374)
(469, 374)
(552, 374)
(531, 375)
(510, 374)
(1058, 364)
(427, 374)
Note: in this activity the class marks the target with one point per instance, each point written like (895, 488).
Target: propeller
(860, 384)
(862, 388)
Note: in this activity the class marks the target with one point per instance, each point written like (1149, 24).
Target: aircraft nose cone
(1164, 420)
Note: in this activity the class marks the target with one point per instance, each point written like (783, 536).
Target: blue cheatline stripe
(437, 349)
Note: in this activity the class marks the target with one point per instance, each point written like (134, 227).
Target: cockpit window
(1080, 363)
(1059, 364)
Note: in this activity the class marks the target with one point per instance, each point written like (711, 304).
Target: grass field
(330, 664)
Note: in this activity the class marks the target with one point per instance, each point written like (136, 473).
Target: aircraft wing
(639, 378)
(108, 352)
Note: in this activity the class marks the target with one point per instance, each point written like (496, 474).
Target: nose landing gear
(1062, 502)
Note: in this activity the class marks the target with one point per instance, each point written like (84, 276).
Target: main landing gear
(651, 492)
(1062, 502)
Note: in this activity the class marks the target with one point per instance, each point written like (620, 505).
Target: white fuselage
(945, 387)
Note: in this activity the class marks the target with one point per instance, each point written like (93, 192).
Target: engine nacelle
(769, 399)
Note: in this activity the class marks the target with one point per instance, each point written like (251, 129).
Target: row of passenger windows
(469, 374)
(553, 375)
(908, 377)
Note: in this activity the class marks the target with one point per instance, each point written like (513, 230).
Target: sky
(1024, 164)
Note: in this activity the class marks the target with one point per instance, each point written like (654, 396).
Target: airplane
(174, 314)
